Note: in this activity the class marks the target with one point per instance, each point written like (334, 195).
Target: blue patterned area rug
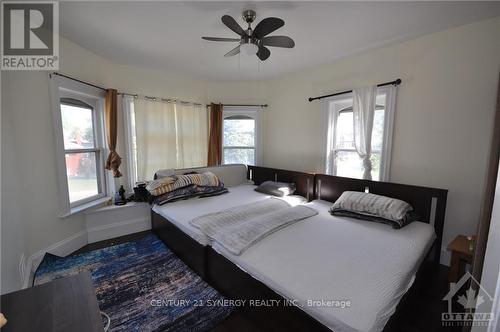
(143, 286)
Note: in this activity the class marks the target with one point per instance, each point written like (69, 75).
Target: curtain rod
(77, 80)
(168, 100)
(243, 105)
(395, 82)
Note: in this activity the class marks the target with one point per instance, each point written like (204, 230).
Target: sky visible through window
(239, 141)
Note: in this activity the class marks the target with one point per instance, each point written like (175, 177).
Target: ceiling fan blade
(234, 51)
(266, 26)
(263, 53)
(278, 41)
(233, 25)
(221, 39)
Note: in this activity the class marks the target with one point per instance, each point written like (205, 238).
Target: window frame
(61, 87)
(251, 112)
(331, 116)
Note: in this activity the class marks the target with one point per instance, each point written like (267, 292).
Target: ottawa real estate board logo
(30, 35)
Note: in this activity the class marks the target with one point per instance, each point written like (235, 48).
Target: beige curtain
(192, 135)
(169, 135)
(215, 136)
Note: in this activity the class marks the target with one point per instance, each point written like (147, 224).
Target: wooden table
(461, 255)
(66, 304)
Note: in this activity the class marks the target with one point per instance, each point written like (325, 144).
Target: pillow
(165, 185)
(189, 192)
(174, 195)
(279, 189)
(164, 172)
(409, 217)
(160, 182)
(373, 207)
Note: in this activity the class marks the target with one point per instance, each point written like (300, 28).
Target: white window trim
(251, 112)
(328, 117)
(61, 87)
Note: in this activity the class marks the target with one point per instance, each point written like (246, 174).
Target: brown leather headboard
(304, 182)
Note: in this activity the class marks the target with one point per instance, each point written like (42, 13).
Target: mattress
(324, 262)
(181, 212)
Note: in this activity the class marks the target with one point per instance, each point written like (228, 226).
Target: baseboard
(100, 233)
(61, 248)
(101, 224)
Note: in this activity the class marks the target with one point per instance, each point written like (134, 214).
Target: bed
(291, 266)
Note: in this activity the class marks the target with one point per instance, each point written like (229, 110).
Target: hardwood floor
(111, 242)
(423, 315)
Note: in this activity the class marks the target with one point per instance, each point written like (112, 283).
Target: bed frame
(233, 282)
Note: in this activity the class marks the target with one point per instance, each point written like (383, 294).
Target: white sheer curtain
(192, 135)
(155, 130)
(164, 135)
(363, 111)
(330, 120)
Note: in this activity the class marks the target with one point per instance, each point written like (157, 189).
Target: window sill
(86, 206)
(117, 207)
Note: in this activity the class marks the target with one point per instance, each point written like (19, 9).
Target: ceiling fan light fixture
(254, 41)
(248, 49)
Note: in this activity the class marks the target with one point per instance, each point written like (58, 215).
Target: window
(240, 139)
(80, 144)
(342, 157)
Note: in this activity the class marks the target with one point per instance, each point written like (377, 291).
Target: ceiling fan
(254, 41)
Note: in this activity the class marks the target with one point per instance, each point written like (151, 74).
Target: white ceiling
(166, 35)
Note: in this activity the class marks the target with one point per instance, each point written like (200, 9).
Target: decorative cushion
(231, 175)
(165, 185)
(409, 217)
(373, 207)
(279, 189)
(160, 182)
(189, 192)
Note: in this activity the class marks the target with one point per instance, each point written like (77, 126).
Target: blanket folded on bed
(240, 227)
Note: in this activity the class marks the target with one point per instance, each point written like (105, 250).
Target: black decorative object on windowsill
(141, 194)
(120, 197)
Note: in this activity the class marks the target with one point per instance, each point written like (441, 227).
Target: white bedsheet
(181, 212)
(332, 258)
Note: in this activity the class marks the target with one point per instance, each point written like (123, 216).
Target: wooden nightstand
(460, 256)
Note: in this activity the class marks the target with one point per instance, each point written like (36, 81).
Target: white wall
(444, 113)
(12, 228)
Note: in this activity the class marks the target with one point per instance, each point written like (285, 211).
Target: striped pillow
(162, 186)
(372, 205)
